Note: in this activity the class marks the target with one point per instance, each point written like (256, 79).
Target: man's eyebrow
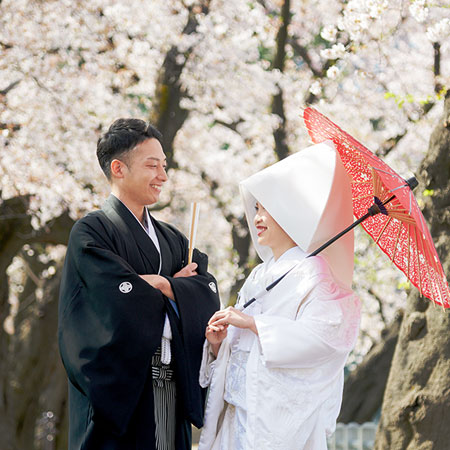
(156, 159)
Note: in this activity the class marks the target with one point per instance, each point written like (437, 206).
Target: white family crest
(125, 287)
(213, 287)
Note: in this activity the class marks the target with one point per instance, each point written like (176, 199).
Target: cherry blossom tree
(225, 81)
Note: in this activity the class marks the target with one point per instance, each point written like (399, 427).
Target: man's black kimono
(111, 322)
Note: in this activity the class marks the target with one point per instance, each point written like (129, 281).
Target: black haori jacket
(111, 322)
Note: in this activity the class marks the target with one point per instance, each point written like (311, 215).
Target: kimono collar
(309, 196)
(293, 253)
(272, 269)
(147, 226)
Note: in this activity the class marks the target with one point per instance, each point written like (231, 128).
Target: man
(132, 312)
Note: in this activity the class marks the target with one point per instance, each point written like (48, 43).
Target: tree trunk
(168, 115)
(416, 411)
(38, 397)
(279, 135)
(33, 387)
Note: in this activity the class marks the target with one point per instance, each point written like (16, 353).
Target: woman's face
(270, 233)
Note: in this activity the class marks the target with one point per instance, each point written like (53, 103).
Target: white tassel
(166, 355)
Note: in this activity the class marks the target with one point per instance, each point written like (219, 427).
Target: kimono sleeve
(110, 324)
(326, 325)
(197, 299)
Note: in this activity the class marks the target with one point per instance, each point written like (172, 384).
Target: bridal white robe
(283, 388)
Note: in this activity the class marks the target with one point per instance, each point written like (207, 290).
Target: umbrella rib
(399, 212)
(398, 208)
(377, 184)
(422, 221)
(384, 171)
(403, 217)
(382, 231)
(398, 187)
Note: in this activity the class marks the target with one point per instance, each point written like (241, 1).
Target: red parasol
(387, 209)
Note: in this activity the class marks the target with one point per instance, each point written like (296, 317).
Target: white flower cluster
(418, 10)
(329, 33)
(333, 72)
(336, 51)
(359, 15)
(439, 31)
(315, 88)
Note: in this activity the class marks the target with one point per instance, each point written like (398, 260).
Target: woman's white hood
(309, 195)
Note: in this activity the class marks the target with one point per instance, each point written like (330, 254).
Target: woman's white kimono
(283, 388)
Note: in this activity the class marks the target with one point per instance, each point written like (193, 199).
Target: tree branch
(301, 51)
(437, 67)
(11, 86)
(380, 305)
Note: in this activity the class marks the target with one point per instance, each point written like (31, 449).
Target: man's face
(144, 173)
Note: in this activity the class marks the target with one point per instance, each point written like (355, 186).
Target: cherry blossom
(71, 67)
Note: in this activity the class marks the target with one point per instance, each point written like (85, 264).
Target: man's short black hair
(122, 137)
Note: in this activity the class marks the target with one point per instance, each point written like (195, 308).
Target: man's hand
(187, 271)
(161, 283)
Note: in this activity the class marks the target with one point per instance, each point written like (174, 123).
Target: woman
(275, 368)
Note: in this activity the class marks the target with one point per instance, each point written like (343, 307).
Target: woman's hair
(120, 139)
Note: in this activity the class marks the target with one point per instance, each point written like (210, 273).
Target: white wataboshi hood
(309, 196)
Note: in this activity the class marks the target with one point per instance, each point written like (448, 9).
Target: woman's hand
(215, 335)
(161, 283)
(232, 316)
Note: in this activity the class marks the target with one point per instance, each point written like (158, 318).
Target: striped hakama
(164, 393)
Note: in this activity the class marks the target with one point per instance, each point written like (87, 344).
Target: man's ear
(117, 168)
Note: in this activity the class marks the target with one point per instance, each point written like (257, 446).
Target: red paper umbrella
(385, 206)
